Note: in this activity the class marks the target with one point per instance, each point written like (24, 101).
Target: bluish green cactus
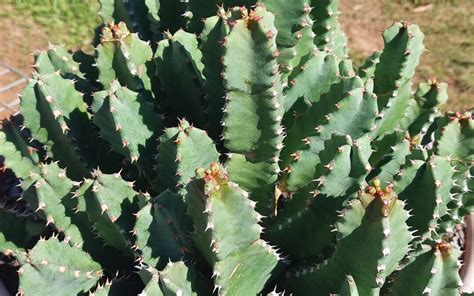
(232, 148)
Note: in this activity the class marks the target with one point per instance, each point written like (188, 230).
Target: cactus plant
(232, 148)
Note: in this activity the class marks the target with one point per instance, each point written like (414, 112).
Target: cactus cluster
(232, 148)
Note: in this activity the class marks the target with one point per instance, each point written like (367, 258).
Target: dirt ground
(18, 40)
(364, 33)
(449, 41)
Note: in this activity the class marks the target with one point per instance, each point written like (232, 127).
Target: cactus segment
(57, 69)
(390, 165)
(181, 151)
(122, 56)
(367, 70)
(323, 118)
(250, 56)
(110, 203)
(19, 156)
(179, 69)
(339, 158)
(394, 73)
(228, 234)
(433, 179)
(455, 136)
(52, 195)
(343, 169)
(257, 178)
(177, 279)
(290, 58)
(346, 99)
(401, 54)
(57, 58)
(424, 107)
(128, 122)
(436, 270)
(162, 230)
(259, 103)
(409, 170)
(311, 78)
(302, 169)
(296, 16)
(52, 109)
(151, 280)
(137, 15)
(55, 268)
(349, 287)
(212, 37)
(295, 36)
(461, 202)
(114, 11)
(376, 221)
(303, 229)
(329, 36)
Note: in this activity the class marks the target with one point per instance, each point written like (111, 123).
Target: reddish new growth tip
(444, 248)
(251, 18)
(460, 116)
(270, 34)
(114, 32)
(414, 140)
(214, 177)
(387, 196)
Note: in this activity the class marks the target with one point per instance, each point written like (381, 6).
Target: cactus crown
(231, 148)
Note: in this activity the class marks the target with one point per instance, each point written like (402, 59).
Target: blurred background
(28, 25)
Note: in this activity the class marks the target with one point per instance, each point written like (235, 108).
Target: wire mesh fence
(11, 83)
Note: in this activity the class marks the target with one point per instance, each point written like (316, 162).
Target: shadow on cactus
(242, 154)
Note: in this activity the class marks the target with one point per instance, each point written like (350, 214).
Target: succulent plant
(232, 148)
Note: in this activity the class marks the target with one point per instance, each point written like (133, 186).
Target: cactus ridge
(329, 36)
(235, 257)
(180, 152)
(232, 148)
(162, 230)
(433, 265)
(388, 244)
(121, 115)
(122, 56)
(72, 272)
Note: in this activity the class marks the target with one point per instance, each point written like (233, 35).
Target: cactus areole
(232, 148)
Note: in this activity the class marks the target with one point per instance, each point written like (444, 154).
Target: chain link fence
(11, 83)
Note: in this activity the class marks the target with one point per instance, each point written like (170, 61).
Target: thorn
(104, 208)
(125, 143)
(295, 156)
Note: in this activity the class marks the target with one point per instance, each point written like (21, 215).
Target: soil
(364, 33)
(20, 36)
